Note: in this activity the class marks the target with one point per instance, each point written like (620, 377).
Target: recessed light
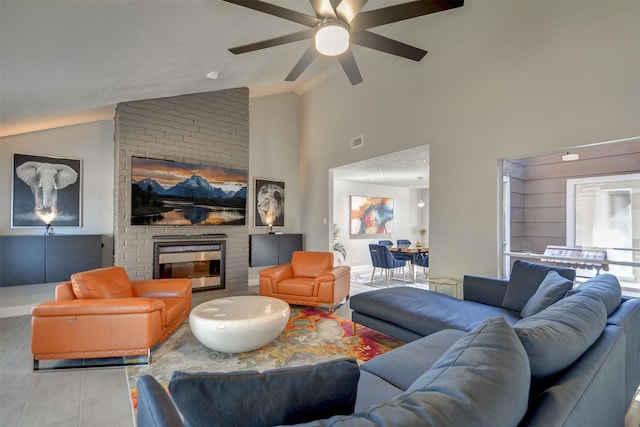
(213, 75)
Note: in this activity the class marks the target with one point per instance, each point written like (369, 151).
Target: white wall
(274, 140)
(406, 221)
(274, 153)
(91, 142)
(512, 79)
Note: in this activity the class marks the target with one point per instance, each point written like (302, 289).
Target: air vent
(357, 142)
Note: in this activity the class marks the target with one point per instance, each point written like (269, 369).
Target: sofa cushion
(525, 279)
(155, 407)
(606, 286)
(402, 366)
(552, 289)
(175, 308)
(482, 380)
(425, 312)
(373, 390)
(279, 396)
(102, 283)
(311, 264)
(300, 286)
(555, 337)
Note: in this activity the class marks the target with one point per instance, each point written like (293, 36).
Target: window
(600, 214)
(574, 209)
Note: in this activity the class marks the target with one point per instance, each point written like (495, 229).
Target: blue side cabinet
(28, 260)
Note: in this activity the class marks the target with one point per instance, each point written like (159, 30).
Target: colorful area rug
(311, 336)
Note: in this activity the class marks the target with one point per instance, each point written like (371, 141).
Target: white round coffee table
(237, 324)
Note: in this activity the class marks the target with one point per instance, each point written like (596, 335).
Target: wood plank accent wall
(542, 221)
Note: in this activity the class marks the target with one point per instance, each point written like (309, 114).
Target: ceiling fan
(337, 24)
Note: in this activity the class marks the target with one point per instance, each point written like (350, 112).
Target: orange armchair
(310, 279)
(101, 313)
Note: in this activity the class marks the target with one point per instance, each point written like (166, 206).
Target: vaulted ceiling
(64, 62)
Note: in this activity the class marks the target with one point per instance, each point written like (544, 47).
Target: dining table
(412, 251)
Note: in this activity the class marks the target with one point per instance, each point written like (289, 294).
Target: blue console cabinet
(272, 249)
(27, 260)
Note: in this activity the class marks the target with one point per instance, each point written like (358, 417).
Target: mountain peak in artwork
(156, 188)
(197, 187)
(193, 187)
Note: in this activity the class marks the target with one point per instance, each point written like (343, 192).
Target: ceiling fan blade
(280, 12)
(324, 8)
(350, 67)
(348, 9)
(276, 41)
(400, 12)
(302, 64)
(385, 44)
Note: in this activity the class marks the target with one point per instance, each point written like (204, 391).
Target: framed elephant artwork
(269, 203)
(46, 191)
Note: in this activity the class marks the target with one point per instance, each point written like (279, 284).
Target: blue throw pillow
(279, 396)
(606, 286)
(556, 337)
(525, 279)
(552, 289)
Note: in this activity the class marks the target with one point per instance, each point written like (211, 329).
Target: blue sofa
(571, 361)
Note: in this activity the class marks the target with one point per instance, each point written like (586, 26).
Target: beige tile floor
(95, 397)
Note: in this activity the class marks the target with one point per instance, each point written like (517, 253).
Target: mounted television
(165, 192)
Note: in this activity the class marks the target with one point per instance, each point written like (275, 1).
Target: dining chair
(404, 243)
(385, 242)
(422, 260)
(381, 258)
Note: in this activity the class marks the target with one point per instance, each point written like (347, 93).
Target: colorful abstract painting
(371, 215)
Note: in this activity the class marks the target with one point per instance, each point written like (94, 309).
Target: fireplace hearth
(201, 261)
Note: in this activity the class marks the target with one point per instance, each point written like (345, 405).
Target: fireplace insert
(200, 261)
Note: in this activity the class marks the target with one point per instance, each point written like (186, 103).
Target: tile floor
(99, 397)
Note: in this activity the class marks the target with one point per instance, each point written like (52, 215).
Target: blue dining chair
(403, 243)
(422, 261)
(381, 258)
(396, 255)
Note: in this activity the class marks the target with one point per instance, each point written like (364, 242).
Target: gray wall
(91, 142)
(513, 79)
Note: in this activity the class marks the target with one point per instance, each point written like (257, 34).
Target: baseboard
(16, 310)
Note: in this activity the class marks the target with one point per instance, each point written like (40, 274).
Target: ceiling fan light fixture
(332, 38)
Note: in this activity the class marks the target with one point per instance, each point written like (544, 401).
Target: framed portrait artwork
(269, 203)
(46, 191)
(371, 216)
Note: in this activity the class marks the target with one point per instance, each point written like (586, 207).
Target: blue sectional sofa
(571, 361)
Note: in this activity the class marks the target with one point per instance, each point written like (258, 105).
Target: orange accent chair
(102, 313)
(309, 279)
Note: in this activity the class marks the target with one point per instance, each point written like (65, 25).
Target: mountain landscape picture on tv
(164, 192)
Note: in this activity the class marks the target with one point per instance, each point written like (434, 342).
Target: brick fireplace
(209, 128)
(202, 261)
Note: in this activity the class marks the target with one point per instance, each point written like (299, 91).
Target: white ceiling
(407, 168)
(70, 61)
(73, 61)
